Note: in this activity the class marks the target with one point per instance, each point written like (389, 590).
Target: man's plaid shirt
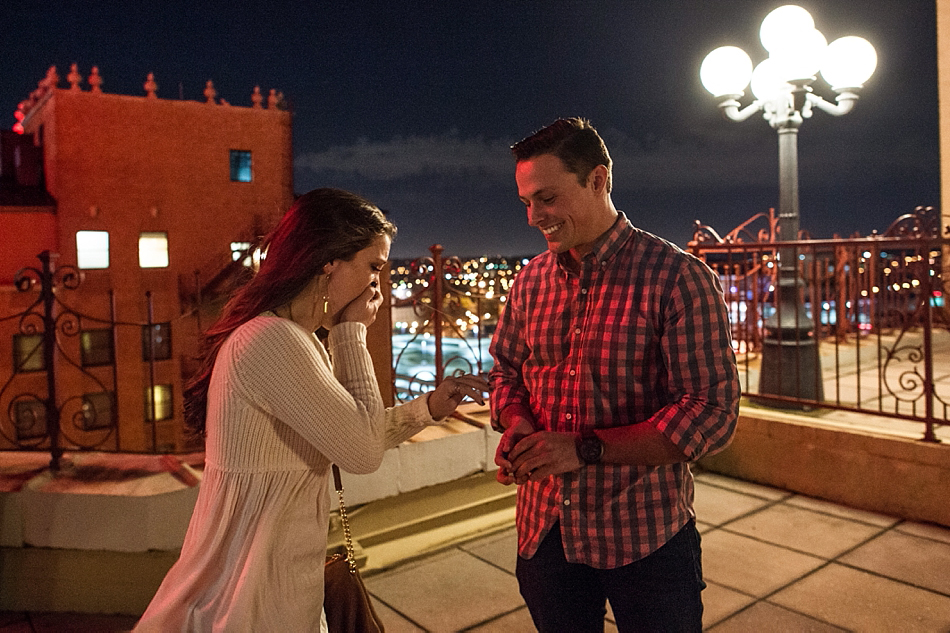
(641, 334)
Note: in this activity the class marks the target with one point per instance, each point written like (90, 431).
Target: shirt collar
(605, 246)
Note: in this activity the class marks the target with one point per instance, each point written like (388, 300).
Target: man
(613, 369)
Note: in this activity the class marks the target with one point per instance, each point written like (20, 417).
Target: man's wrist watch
(590, 448)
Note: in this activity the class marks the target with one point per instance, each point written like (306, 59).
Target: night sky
(414, 104)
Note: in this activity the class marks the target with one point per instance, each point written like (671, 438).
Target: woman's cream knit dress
(278, 414)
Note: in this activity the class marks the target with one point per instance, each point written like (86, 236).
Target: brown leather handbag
(345, 599)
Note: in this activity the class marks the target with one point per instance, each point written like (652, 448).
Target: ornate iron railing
(455, 308)
(874, 305)
(47, 404)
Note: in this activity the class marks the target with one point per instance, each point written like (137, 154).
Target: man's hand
(520, 427)
(541, 454)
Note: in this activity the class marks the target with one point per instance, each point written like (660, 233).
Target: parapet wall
(877, 472)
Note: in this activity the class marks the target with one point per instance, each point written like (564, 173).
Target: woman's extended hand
(448, 395)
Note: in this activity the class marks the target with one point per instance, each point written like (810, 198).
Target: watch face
(591, 449)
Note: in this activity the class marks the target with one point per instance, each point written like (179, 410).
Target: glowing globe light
(803, 58)
(726, 71)
(784, 27)
(767, 84)
(849, 62)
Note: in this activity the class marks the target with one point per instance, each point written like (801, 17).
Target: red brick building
(147, 197)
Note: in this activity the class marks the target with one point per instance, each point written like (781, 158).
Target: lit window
(160, 340)
(28, 353)
(240, 165)
(239, 250)
(30, 421)
(158, 403)
(95, 347)
(96, 411)
(92, 249)
(153, 250)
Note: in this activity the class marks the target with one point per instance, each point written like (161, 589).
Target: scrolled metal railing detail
(885, 289)
(434, 279)
(37, 419)
(922, 222)
(25, 420)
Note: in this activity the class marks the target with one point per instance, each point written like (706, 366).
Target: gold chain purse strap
(344, 520)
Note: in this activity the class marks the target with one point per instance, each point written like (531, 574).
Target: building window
(96, 411)
(30, 419)
(28, 353)
(92, 249)
(241, 250)
(158, 403)
(159, 338)
(251, 258)
(95, 347)
(240, 165)
(153, 250)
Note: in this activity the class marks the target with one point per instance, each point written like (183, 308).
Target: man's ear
(598, 178)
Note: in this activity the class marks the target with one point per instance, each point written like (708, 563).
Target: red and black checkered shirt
(640, 334)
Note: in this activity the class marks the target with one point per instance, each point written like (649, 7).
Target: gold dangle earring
(326, 296)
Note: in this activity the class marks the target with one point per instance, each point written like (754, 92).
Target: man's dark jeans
(658, 593)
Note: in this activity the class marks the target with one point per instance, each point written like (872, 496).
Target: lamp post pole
(782, 88)
(790, 362)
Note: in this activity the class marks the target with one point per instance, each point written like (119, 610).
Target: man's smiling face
(565, 211)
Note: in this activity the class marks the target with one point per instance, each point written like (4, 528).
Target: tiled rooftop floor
(773, 561)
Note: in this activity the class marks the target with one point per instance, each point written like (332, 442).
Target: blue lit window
(240, 165)
(159, 338)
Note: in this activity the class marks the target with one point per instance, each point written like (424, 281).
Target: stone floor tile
(764, 616)
(911, 559)
(721, 602)
(12, 617)
(428, 591)
(829, 507)
(81, 623)
(516, 622)
(751, 566)
(519, 622)
(498, 549)
(392, 621)
(745, 487)
(803, 530)
(925, 530)
(15, 622)
(717, 505)
(870, 602)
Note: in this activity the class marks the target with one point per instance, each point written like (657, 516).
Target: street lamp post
(782, 87)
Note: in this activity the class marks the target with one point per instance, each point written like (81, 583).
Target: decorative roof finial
(150, 86)
(95, 80)
(210, 92)
(74, 78)
(256, 97)
(50, 81)
(272, 99)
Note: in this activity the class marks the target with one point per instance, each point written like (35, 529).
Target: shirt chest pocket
(625, 339)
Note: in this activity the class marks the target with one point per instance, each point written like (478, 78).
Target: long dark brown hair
(321, 226)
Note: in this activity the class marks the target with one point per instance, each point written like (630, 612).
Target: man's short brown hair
(574, 141)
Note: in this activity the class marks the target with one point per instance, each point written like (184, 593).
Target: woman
(277, 413)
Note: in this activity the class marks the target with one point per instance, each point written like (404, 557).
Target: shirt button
(572, 372)
(583, 291)
(568, 416)
(567, 502)
(577, 330)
